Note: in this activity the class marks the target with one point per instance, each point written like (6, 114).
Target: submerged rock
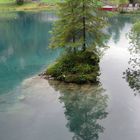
(22, 97)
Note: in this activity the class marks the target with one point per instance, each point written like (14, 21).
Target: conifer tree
(79, 29)
(79, 25)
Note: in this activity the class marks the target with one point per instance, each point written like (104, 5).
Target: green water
(32, 108)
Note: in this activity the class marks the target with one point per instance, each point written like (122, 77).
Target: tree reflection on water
(116, 24)
(84, 106)
(132, 74)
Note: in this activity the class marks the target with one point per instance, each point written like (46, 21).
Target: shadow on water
(24, 51)
(85, 106)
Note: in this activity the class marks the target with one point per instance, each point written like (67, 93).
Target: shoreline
(40, 6)
(49, 79)
(27, 7)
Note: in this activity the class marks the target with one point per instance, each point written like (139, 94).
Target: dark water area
(32, 108)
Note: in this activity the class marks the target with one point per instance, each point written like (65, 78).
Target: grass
(10, 5)
(26, 7)
(45, 1)
(50, 1)
(7, 1)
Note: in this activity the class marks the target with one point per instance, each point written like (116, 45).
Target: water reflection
(84, 107)
(35, 105)
(24, 48)
(116, 24)
(132, 74)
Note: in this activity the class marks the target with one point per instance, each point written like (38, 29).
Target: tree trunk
(84, 27)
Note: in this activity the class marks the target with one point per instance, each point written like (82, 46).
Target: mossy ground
(80, 68)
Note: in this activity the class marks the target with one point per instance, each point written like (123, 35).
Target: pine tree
(79, 25)
(79, 29)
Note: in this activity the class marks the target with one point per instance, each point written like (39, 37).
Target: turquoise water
(24, 47)
(32, 108)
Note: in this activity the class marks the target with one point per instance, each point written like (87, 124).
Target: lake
(32, 108)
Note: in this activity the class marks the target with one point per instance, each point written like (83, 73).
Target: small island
(80, 68)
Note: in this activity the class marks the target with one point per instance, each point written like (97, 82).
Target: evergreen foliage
(79, 25)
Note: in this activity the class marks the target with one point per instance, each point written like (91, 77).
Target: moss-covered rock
(80, 68)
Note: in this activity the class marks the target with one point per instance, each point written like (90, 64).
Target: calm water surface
(32, 108)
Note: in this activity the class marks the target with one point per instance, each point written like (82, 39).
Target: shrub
(20, 2)
(80, 68)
